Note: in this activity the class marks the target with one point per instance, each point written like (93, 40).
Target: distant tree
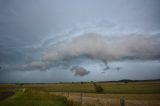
(126, 82)
(21, 84)
(92, 82)
(98, 88)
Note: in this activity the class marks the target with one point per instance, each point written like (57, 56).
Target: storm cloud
(79, 71)
(96, 46)
(108, 48)
(35, 65)
(52, 36)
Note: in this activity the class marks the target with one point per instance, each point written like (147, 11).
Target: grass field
(135, 94)
(108, 88)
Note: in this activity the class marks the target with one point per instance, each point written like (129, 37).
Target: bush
(98, 88)
(73, 103)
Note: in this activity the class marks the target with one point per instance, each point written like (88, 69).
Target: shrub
(98, 88)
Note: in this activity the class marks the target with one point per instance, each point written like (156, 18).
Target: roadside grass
(32, 97)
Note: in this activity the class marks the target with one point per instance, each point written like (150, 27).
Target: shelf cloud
(96, 46)
(105, 48)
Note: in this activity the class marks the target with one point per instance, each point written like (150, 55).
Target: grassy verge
(32, 97)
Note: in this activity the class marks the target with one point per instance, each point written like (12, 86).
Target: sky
(43, 41)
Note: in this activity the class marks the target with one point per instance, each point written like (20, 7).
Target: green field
(131, 88)
(110, 88)
(43, 94)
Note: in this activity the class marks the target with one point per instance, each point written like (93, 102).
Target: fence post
(122, 101)
(81, 98)
(68, 95)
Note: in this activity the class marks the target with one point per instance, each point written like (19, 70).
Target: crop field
(80, 94)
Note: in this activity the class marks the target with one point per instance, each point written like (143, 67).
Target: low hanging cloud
(79, 71)
(96, 46)
(106, 65)
(35, 65)
(107, 48)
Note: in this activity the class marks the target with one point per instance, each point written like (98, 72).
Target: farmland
(74, 94)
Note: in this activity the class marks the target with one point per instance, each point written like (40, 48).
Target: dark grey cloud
(35, 65)
(106, 65)
(79, 71)
(118, 68)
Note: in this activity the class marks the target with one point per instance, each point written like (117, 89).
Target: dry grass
(93, 99)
